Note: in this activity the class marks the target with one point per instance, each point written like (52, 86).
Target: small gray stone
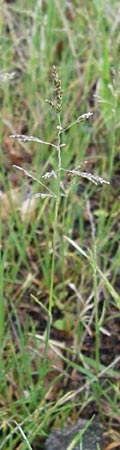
(61, 439)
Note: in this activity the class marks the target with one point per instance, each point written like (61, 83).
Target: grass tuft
(59, 265)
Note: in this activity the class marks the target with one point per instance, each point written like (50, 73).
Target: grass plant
(59, 267)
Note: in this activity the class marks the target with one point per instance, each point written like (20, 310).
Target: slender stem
(96, 311)
(54, 242)
(56, 220)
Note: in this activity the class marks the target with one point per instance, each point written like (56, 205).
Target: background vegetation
(50, 380)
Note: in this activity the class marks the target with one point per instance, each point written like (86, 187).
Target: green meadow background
(58, 367)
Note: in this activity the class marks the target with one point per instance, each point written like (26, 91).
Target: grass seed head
(58, 92)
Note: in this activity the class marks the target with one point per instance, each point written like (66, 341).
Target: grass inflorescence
(59, 269)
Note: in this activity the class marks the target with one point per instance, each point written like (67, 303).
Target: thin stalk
(54, 239)
(56, 221)
(96, 312)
